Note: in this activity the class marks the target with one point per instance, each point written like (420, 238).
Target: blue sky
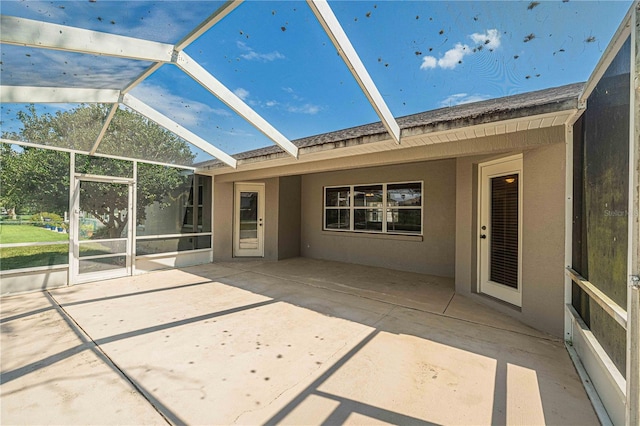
(422, 55)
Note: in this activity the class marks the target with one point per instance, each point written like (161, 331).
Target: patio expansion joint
(86, 338)
(400, 305)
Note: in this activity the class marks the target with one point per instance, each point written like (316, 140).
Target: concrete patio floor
(299, 341)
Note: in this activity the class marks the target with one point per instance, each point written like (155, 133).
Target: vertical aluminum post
(633, 266)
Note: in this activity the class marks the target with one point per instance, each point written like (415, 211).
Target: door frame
(75, 277)
(495, 168)
(248, 187)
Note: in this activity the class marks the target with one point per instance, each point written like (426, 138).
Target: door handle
(483, 236)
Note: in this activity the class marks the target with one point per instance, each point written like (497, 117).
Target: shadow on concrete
(286, 291)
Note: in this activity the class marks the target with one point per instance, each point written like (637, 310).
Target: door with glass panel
(248, 239)
(102, 237)
(499, 233)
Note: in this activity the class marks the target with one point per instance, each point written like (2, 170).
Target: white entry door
(500, 229)
(248, 234)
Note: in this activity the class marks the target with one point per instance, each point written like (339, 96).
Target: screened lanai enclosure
(448, 138)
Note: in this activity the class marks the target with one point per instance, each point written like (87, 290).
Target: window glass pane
(92, 165)
(34, 203)
(165, 201)
(336, 219)
(337, 197)
(168, 245)
(368, 219)
(404, 194)
(248, 238)
(504, 230)
(369, 196)
(404, 220)
(204, 203)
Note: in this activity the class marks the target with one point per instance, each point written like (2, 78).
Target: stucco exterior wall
(542, 236)
(433, 254)
(289, 217)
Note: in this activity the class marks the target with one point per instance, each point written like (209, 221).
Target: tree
(38, 179)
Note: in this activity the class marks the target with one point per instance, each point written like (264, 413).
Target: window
(393, 208)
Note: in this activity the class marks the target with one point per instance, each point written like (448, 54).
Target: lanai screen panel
(162, 21)
(132, 135)
(29, 66)
(601, 219)
(69, 126)
(180, 98)
(278, 59)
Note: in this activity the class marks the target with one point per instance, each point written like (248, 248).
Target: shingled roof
(459, 116)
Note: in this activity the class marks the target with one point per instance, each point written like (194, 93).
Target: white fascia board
(63, 95)
(212, 20)
(219, 90)
(176, 128)
(340, 40)
(31, 33)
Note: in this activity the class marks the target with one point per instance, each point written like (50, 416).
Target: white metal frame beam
(347, 52)
(176, 128)
(105, 126)
(219, 90)
(212, 20)
(633, 256)
(31, 33)
(30, 94)
(27, 32)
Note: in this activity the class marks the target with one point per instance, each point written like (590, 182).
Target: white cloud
(428, 62)
(452, 57)
(241, 93)
(490, 39)
(304, 109)
(462, 98)
(271, 103)
(252, 55)
(182, 110)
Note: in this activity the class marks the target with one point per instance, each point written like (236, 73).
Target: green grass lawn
(33, 256)
(10, 234)
(30, 257)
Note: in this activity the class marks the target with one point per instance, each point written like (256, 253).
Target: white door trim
(486, 171)
(258, 249)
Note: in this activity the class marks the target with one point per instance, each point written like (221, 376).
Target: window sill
(381, 236)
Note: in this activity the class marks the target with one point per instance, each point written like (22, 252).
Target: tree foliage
(37, 180)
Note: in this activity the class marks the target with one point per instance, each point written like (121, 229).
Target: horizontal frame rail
(170, 236)
(102, 256)
(34, 244)
(605, 302)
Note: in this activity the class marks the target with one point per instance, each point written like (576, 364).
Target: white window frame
(386, 208)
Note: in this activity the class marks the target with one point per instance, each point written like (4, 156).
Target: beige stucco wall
(433, 254)
(542, 236)
(289, 216)
(449, 246)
